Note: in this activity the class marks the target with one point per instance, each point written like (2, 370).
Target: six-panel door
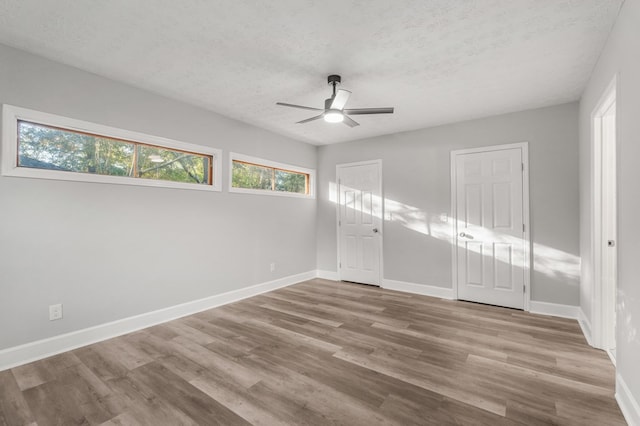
(360, 220)
(489, 228)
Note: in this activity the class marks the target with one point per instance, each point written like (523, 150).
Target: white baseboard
(628, 404)
(585, 325)
(327, 275)
(33, 351)
(554, 309)
(423, 289)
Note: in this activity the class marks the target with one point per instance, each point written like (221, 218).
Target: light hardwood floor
(322, 352)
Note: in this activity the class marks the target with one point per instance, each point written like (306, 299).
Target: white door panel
(609, 226)
(489, 227)
(359, 222)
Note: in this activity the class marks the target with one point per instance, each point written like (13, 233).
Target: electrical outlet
(273, 267)
(55, 312)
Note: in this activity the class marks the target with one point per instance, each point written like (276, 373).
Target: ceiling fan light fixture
(333, 116)
(334, 107)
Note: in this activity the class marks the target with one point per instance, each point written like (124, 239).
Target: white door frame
(381, 232)
(524, 146)
(599, 310)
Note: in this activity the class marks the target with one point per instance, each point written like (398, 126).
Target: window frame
(11, 115)
(234, 156)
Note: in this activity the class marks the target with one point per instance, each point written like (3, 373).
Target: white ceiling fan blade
(360, 111)
(310, 119)
(350, 121)
(340, 100)
(297, 106)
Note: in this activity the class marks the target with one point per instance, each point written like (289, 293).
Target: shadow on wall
(553, 263)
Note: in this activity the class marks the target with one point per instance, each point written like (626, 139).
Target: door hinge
(524, 289)
(523, 228)
(339, 223)
(522, 164)
(340, 265)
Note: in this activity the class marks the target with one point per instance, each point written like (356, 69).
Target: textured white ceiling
(435, 61)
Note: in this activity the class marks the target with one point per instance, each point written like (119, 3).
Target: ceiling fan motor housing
(334, 79)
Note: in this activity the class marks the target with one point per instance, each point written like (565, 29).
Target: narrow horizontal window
(255, 176)
(53, 147)
(249, 174)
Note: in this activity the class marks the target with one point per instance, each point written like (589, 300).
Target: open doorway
(605, 222)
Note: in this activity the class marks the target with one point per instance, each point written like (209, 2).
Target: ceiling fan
(334, 111)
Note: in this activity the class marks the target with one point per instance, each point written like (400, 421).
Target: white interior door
(360, 222)
(604, 224)
(609, 228)
(490, 237)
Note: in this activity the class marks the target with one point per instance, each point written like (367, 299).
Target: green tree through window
(48, 147)
(254, 176)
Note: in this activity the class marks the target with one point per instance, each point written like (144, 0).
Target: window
(258, 176)
(52, 147)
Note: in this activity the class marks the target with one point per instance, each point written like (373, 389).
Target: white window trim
(11, 114)
(262, 162)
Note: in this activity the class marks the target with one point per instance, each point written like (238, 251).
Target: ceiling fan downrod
(334, 80)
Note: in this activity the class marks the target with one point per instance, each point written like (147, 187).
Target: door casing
(599, 310)
(524, 146)
(381, 236)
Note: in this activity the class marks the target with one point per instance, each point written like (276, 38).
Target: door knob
(462, 234)
(375, 230)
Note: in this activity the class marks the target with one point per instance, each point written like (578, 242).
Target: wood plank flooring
(322, 352)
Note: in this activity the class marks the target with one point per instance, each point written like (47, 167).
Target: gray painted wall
(416, 176)
(112, 251)
(619, 56)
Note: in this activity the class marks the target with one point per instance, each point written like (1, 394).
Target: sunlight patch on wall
(549, 261)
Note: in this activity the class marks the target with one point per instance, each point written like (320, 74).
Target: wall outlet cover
(55, 312)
